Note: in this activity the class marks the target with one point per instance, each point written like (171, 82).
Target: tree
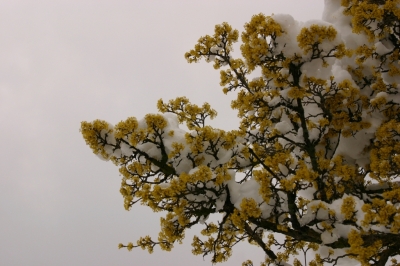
(316, 157)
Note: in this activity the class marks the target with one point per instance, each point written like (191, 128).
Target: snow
(283, 127)
(329, 237)
(381, 48)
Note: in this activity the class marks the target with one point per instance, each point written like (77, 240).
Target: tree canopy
(314, 165)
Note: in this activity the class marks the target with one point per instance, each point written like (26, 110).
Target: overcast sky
(62, 62)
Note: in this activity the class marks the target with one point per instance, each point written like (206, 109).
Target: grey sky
(62, 62)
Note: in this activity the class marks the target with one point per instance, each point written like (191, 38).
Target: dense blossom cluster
(316, 157)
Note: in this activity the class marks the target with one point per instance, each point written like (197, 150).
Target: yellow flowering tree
(315, 163)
